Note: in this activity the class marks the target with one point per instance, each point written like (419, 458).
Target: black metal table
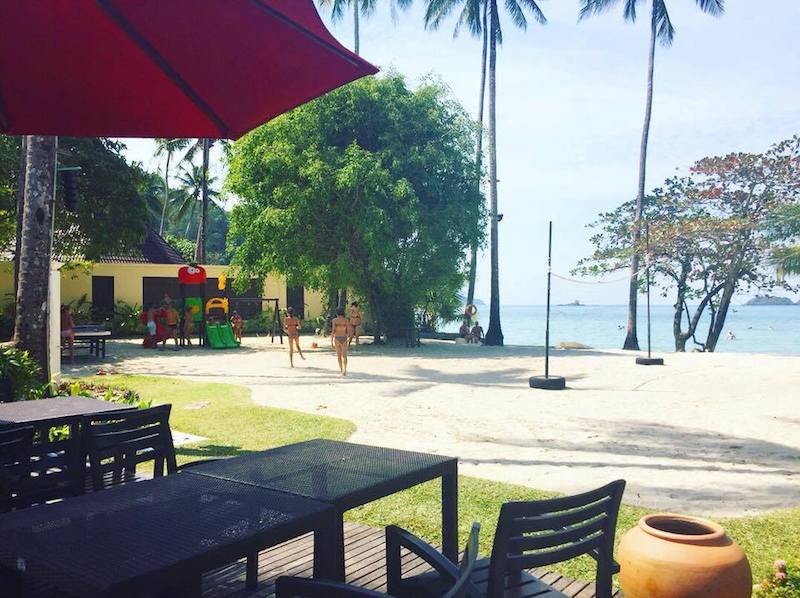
(155, 536)
(93, 337)
(345, 475)
(60, 460)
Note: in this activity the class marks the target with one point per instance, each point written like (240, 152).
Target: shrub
(7, 321)
(125, 396)
(127, 320)
(262, 323)
(22, 372)
(782, 584)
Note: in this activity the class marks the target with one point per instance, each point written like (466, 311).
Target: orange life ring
(470, 310)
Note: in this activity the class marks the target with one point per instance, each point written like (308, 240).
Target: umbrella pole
(649, 360)
(547, 382)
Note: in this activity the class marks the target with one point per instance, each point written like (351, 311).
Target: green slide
(220, 336)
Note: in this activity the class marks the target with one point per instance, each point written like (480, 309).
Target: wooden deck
(365, 566)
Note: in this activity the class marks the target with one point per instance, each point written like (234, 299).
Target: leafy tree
(360, 7)
(785, 226)
(167, 147)
(516, 9)
(662, 31)
(474, 15)
(710, 234)
(371, 187)
(111, 214)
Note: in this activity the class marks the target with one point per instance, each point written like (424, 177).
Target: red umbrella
(163, 68)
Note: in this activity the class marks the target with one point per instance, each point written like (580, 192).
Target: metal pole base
(649, 361)
(547, 382)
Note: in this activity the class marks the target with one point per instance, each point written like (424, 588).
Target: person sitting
(476, 334)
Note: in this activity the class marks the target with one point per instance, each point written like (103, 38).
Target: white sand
(707, 433)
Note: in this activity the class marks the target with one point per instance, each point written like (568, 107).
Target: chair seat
(430, 585)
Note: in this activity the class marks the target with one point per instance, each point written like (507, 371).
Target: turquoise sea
(758, 329)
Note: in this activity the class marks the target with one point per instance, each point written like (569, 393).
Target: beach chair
(455, 579)
(534, 534)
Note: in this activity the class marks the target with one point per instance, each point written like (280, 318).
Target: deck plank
(365, 563)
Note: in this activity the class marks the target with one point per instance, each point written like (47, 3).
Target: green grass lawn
(232, 424)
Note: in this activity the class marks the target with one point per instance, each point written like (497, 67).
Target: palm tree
(204, 146)
(662, 31)
(474, 15)
(167, 147)
(516, 10)
(193, 182)
(360, 7)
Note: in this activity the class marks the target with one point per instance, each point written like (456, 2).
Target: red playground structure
(163, 332)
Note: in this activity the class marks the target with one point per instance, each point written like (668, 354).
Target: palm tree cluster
(482, 19)
(195, 190)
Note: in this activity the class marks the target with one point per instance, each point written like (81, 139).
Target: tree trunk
(30, 326)
(631, 337)
(677, 318)
(166, 195)
(23, 160)
(355, 25)
(473, 260)
(728, 292)
(494, 334)
(200, 252)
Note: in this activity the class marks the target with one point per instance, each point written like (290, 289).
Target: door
(296, 298)
(102, 298)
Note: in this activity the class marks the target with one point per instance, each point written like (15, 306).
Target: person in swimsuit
(171, 315)
(237, 323)
(188, 325)
(355, 322)
(291, 326)
(340, 335)
(68, 329)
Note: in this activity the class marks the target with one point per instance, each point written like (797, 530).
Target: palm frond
(595, 7)
(787, 259)
(630, 10)
(715, 8)
(664, 28)
(535, 11)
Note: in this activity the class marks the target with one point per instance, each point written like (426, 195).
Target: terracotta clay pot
(677, 556)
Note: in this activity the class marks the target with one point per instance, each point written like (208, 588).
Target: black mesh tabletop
(341, 473)
(54, 409)
(143, 534)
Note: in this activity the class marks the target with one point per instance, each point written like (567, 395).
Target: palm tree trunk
(30, 326)
(473, 260)
(494, 334)
(23, 160)
(166, 195)
(631, 338)
(200, 252)
(355, 25)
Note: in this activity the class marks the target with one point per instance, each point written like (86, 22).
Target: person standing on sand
(340, 334)
(188, 325)
(237, 323)
(291, 326)
(355, 322)
(172, 323)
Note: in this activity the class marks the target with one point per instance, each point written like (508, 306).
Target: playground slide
(220, 336)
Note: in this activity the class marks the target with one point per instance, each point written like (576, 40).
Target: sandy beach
(715, 434)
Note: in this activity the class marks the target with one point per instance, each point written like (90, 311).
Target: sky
(570, 104)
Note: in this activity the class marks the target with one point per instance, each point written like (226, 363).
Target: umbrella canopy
(163, 68)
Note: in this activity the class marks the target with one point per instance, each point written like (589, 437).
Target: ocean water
(757, 328)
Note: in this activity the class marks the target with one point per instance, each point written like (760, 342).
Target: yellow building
(146, 275)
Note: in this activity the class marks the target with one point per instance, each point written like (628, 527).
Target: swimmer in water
(731, 335)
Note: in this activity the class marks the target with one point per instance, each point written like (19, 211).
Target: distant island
(575, 303)
(770, 300)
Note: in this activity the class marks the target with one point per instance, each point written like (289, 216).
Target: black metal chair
(458, 584)
(537, 534)
(16, 452)
(115, 443)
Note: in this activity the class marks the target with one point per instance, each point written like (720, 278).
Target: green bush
(23, 372)
(7, 321)
(127, 320)
(102, 392)
(260, 324)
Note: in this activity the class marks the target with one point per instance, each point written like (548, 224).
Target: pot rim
(717, 532)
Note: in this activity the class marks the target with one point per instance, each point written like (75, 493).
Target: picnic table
(154, 536)
(344, 475)
(94, 337)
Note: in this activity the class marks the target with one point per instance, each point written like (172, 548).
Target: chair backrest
(463, 586)
(16, 451)
(116, 443)
(538, 533)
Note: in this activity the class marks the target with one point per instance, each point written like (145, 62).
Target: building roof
(154, 250)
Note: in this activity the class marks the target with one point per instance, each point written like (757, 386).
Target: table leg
(104, 347)
(329, 549)
(450, 514)
(251, 574)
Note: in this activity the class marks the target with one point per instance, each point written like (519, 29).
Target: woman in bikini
(355, 321)
(340, 335)
(291, 326)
